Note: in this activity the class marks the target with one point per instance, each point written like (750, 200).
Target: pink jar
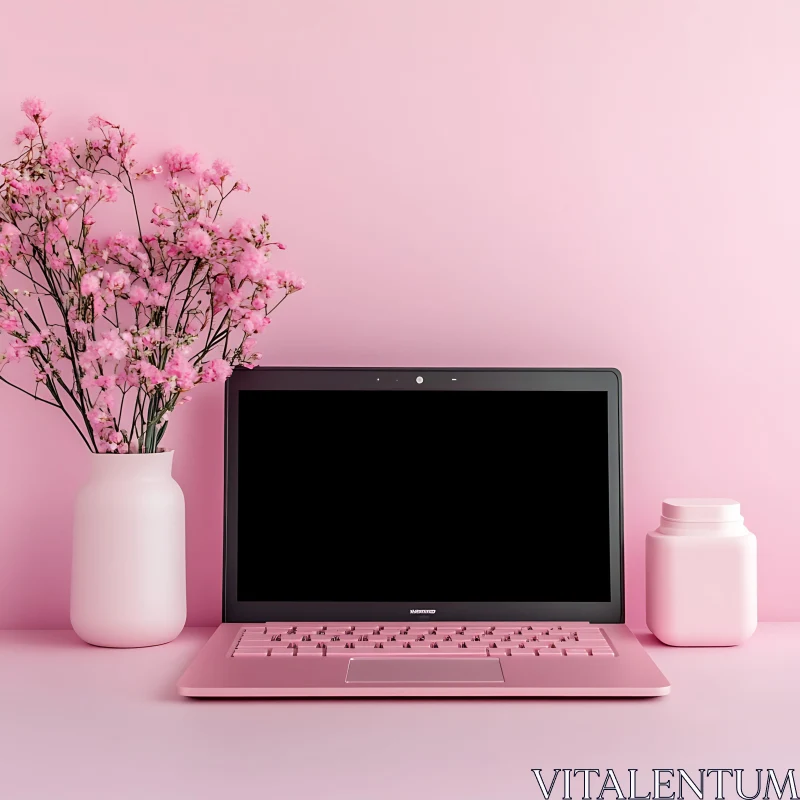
(701, 574)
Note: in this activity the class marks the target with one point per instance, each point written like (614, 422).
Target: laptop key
(477, 647)
(431, 652)
(335, 649)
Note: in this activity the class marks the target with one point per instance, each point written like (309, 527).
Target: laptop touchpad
(424, 670)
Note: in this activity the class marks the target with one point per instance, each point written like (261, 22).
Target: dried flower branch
(120, 331)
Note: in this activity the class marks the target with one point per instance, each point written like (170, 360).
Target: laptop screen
(423, 496)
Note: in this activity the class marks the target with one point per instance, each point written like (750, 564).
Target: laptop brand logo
(422, 611)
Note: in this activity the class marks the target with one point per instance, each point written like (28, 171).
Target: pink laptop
(423, 533)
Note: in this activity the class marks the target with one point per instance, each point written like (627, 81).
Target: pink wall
(508, 183)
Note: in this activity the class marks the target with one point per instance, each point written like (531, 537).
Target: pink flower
(197, 242)
(218, 172)
(137, 294)
(150, 172)
(233, 300)
(96, 121)
(28, 133)
(15, 351)
(290, 282)
(90, 283)
(86, 359)
(107, 400)
(35, 109)
(88, 220)
(8, 231)
(56, 153)
(119, 281)
(216, 370)
(38, 338)
(180, 368)
(241, 228)
(150, 372)
(209, 225)
(255, 322)
(112, 345)
(98, 418)
(102, 381)
(250, 264)
(222, 168)
(109, 191)
(161, 286)
(177, 161)
(63, 225)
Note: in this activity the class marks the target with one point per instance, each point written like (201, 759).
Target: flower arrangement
(118, 331)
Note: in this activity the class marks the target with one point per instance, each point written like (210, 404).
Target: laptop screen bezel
(433, 379)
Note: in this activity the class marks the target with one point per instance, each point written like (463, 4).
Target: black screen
(423, 496)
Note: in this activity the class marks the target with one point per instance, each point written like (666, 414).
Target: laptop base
(354, 672)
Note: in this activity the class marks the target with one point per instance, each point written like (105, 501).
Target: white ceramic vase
(128, 557)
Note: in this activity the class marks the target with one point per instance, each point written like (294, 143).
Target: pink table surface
(84, 722)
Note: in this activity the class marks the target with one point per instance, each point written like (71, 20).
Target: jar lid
(701, 509)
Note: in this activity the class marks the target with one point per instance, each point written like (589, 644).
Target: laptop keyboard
(471, 641)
